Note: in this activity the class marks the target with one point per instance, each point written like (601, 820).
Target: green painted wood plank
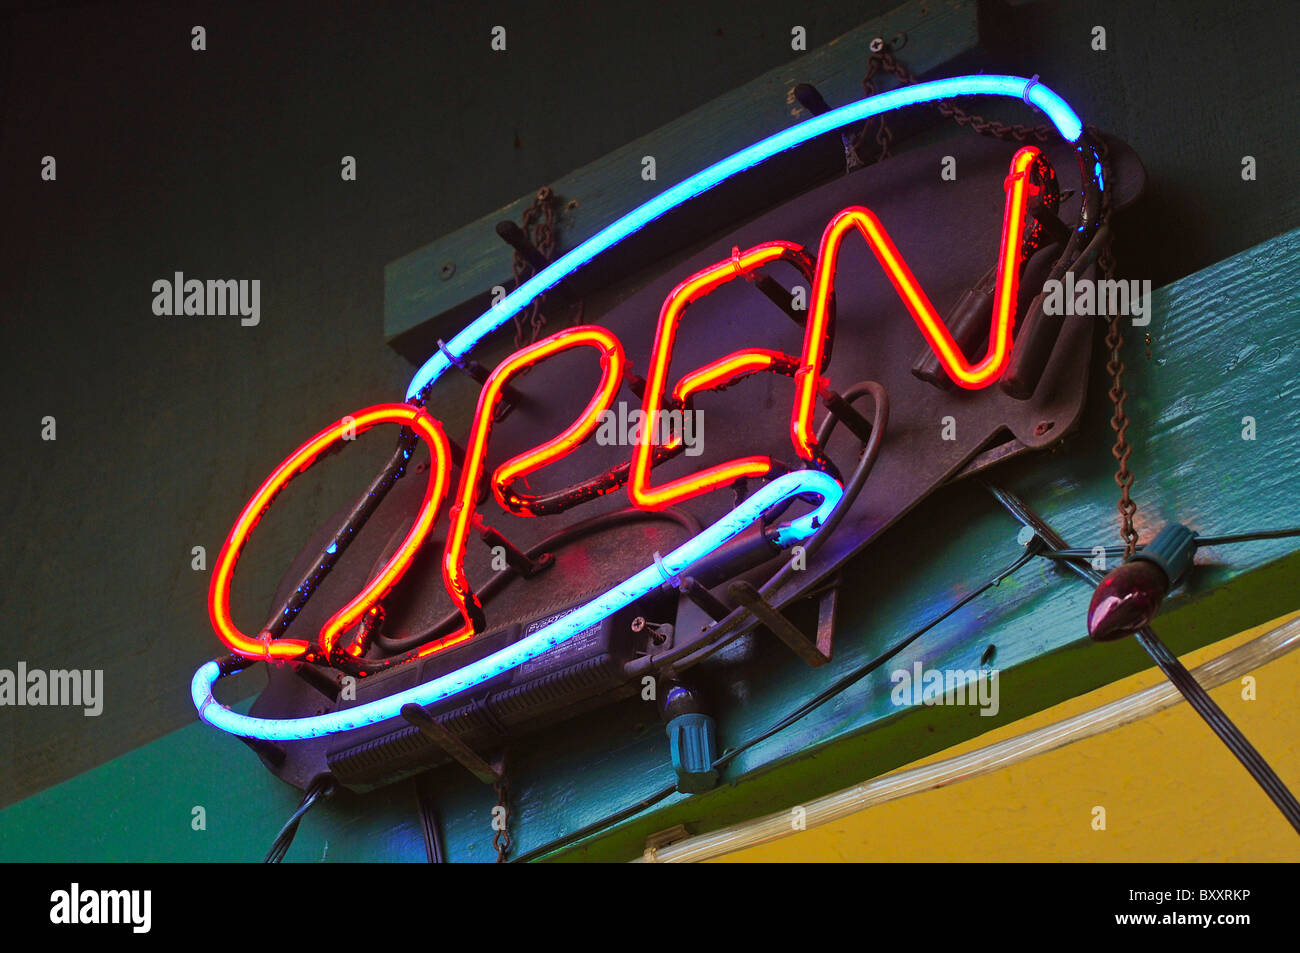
(460, 268)
(1223, 347)
(141, 806)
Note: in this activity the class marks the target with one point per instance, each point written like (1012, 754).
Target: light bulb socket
(1172, 550)
(693, 745)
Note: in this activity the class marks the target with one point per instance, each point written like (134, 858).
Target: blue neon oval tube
(803, 481)
(1029, 90)
(631, 589)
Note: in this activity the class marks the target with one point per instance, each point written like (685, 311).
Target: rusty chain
(540, 228)
(1115, 368)
(882, 60)
(1119, 421)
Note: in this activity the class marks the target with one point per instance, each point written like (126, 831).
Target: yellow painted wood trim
(1170, 790)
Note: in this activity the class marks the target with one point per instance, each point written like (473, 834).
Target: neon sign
(1028, 178)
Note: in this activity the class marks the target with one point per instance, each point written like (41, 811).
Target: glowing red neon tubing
(724, 372)
(936, 334)
(298, 462)
(733, 366)
(462, 511)
(727, 370)
(612, 364)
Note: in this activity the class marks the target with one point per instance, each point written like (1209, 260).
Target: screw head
(447, 270)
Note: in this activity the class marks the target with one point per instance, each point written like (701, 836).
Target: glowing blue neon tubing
(676, 562)
(1030, 90)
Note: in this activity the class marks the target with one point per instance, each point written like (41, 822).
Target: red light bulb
(1127, 599)
(1130, 596)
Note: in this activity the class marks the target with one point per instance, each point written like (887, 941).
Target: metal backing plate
(948, 231)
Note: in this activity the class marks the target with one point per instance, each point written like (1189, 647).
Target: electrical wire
(984, 760)
(1247, 537)
(429, 824)
(1036, 548)
(1197, 697)
(836, 688)
(597, 826)
(1115, 552)
(322, 787)
(844, 683)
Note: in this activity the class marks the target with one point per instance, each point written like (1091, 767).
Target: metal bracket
(510, 397)
(672, 835)
(488, 773)
(703, 598)
(516, 558)
(813, 653)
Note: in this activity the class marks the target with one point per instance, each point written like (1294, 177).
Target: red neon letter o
(297, 462)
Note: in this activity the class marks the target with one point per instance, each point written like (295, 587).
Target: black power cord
(322, 787)
(429, 824)
(1117, 552)
(842, 684)
(597, 826)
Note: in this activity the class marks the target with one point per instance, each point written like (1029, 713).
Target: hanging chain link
(1119, 421)
(1115, 368)
(541, 228)
(882, 60)
(501, 839)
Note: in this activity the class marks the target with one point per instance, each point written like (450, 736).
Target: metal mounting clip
(488, 773)
(813, 653)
